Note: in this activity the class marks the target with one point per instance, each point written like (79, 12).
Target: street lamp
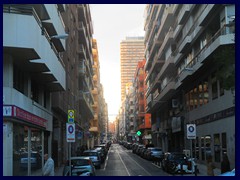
(62, 36)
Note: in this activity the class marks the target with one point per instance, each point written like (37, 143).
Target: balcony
(177, 30)
(167, 20)
(166, 93)
(184, 12)
(81, 51)
(185, 44)
(224, 36)
(86, 105)
(83, 35)
(33, 51)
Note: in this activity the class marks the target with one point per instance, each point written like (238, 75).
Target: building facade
(183, 44)
(94, 126)
(131, 51)
(33, 68)
(78, 96)
(141, 118)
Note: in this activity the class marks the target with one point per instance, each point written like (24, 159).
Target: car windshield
(80, 162)
(90, 154)
(25, 155)
(156, 149)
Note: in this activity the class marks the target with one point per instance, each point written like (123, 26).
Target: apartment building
(131, 51)
(78, 96)
(129, 106)
(33, 68)
(184, 44)
(94, 125)
(141, 118)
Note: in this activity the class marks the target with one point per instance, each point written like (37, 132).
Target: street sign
(191, 131)
(70, 128)
(70, 116)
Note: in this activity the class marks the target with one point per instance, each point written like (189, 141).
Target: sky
(112, 23)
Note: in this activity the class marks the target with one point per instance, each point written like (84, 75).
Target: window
(18, 79)
(217, 148)
(224, 143)
(214, 87)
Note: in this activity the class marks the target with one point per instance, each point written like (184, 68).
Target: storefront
(24, 136)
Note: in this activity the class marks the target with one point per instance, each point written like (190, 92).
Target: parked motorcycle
(188, 167)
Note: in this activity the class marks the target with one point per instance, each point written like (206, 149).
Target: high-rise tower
(131, 51)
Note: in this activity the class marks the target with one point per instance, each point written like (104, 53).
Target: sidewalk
(59, 171)
(202, 169)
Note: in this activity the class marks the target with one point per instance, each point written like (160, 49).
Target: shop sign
(14, 111)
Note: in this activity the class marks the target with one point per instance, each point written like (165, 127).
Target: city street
(122, 162)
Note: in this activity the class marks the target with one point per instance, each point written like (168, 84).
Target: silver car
(94, 156)
(79, 167)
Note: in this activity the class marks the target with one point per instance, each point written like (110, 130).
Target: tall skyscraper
(131, 51)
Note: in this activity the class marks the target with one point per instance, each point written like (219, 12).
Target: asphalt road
(122, 162)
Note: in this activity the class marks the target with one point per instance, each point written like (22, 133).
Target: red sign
(27, 116)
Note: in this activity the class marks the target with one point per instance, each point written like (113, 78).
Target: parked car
(139, 147)
(101, 153)
(94, 156)
(156, 154)
(171, 162)
(35, 160)
(80, 166)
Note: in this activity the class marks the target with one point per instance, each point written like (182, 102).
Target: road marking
(139, 165)
(123, 163)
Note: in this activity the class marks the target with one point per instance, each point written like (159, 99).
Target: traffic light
(139, 133)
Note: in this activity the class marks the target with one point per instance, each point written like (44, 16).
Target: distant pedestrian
(48, 168)
(225, 164)
(210, 166)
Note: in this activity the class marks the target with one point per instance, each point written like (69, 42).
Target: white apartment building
(183, 44)
(32, 69)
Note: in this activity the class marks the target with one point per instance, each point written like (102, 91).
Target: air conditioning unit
(175, 103)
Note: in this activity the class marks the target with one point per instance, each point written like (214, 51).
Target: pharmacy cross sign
(139, 133)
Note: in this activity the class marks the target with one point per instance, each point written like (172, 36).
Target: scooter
(188, 167)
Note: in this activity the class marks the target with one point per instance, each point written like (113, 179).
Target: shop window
(208, 149)
(205, 91)
(224, 143)
(21, 152)
(202, 149)
(217, 148)
(197, 148)
(214, 88)
(221, 88)
(195, 97)
(200, 94)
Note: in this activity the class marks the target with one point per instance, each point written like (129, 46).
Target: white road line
(123, 163)
(139, 165)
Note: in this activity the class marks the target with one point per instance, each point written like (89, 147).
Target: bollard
(196, 170)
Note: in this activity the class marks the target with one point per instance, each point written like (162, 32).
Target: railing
(226, 29)
(29, 10)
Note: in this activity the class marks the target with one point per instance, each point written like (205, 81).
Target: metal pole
(70, 164)
(191, 155)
